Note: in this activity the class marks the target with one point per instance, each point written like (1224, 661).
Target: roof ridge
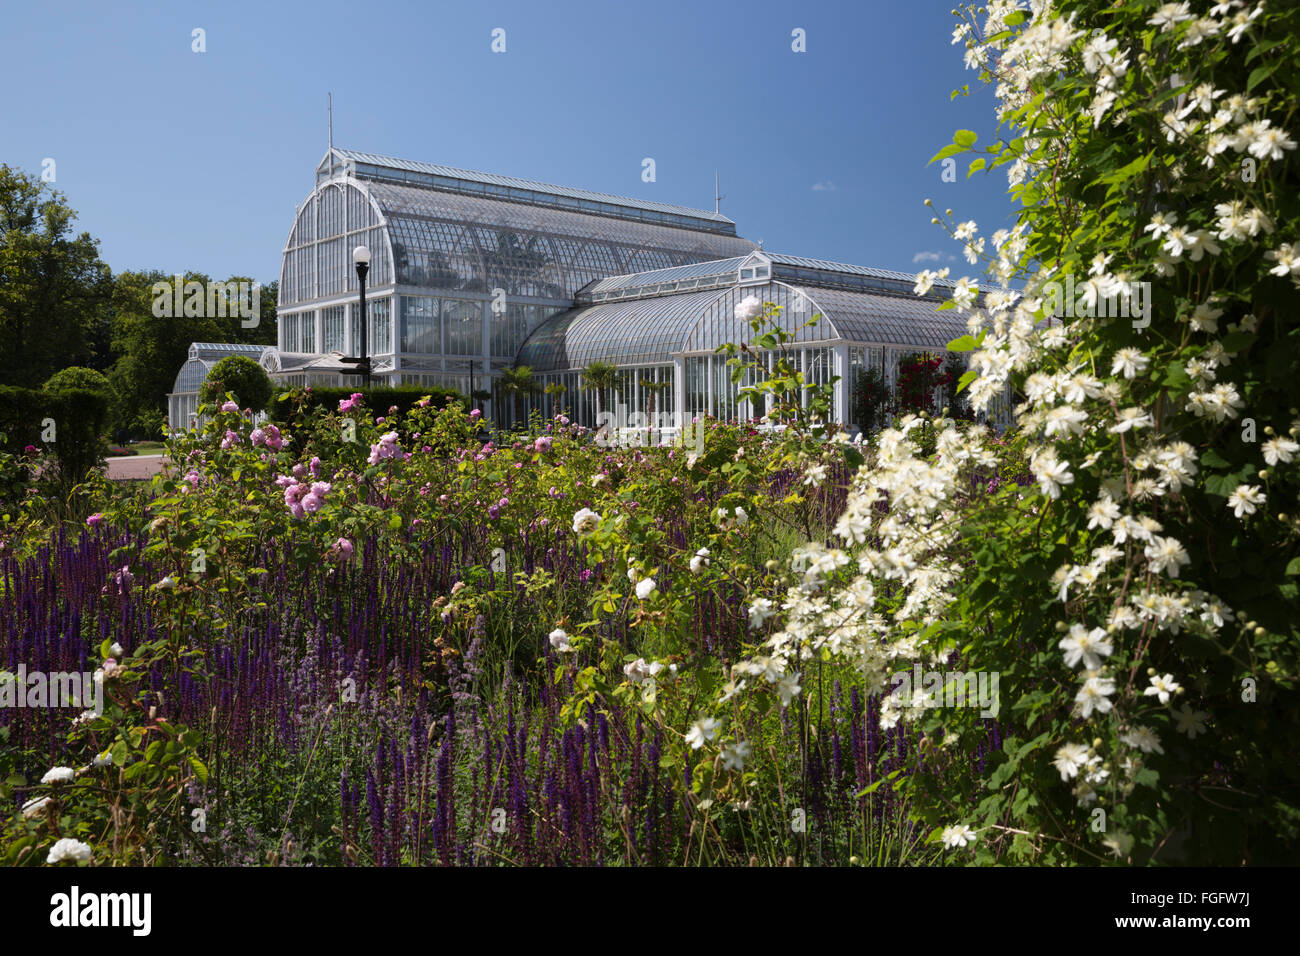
(555, 189)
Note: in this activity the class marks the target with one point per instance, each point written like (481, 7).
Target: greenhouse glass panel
(307, 331)
(419, 329)
(463, 326)
(381, 326)
(332, 329)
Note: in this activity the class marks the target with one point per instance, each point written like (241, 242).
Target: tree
(600, 377)
(242, 377)
(152, 347)
(53, 287)
(78, 405)
(871, 399)
(652, 390)
(919, 377)
(517, 381)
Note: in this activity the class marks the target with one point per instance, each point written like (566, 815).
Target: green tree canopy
(78, 376)
(241, 376)
(53, 286)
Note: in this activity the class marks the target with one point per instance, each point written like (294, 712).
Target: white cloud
(928, 257)
(824, 187)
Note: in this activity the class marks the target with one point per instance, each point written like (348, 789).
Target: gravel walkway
(135, 466)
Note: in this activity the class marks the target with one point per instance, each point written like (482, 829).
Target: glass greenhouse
(473, 273)
(666, 326)
(183, 402)
(464, 267)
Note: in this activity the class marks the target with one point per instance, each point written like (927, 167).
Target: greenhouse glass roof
(458, 242)
(373, 167)
(653, 330)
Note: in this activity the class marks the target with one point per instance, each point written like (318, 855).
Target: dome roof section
(654, 328)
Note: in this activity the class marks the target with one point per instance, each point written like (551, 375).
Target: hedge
(79, 416)
(378, 400)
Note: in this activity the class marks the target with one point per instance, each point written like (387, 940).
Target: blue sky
(180, 161)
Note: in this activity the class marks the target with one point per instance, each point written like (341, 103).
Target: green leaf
(200, 769)
(1260, 74)
(964, 343)
(952, 149)
(1128, 171)
(966, 379)
(1293, 568)
(1236, 341)
(964, 138)
(976, 164)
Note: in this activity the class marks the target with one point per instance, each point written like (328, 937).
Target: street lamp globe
(361, 256)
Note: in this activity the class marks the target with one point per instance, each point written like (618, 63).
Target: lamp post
(361, 258)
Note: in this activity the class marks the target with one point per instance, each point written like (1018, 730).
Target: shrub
(379, 400)
(242, 377)
(77, 376)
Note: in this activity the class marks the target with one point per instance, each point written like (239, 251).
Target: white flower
(639, 670)
(1087, 646)
(1103, 513)
(815, 475)
(645, 588)
(115, 650)
(69, 849)
(59, 775)
(1287, 259)
(1279, 450)
(1160, 224)
(965, 293)
(924, 282)
(760, 612)
(958, 836)
(1095, 695)
(1190, 722)
(1051, 473)
(1069, 759)
(703, 730)
(166, 584)
(788, 687)
(34, 808)
(1166, 555)
(737, 518)
(560, 640)
(1170, 15)
(1098, 52)
(749, 307)
(1129, 361)
(1144, 739)
(103, 760)
(1129, 418)
(1244, 500)
(1162, 687)
(700, 561)
(1119, 843)
(585, 521)
(735, 755)
(1265, 143)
